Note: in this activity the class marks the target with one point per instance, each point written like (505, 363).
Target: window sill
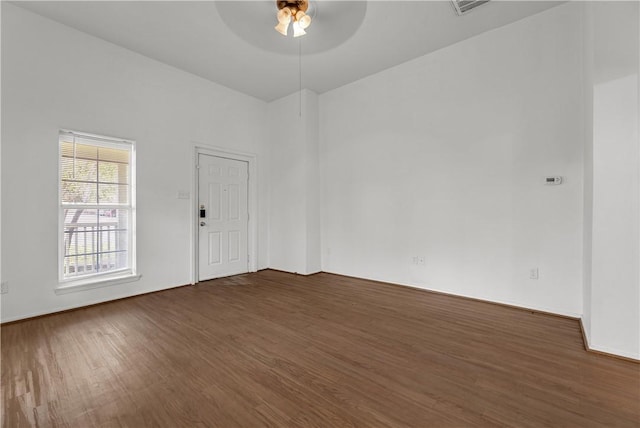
(91, 283)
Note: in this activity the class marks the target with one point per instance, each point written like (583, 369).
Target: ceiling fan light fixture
(304, 21)
(284, 15)
(282, 28)
(293, 11)
(298, 30)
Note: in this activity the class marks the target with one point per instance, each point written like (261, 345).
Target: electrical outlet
(533, 273)
(4, 287)
(418, 260)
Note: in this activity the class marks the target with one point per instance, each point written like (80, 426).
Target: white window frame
(98, 279)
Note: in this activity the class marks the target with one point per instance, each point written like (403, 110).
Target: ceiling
(233, 43)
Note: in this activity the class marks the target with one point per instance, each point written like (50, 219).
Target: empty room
(314, 213)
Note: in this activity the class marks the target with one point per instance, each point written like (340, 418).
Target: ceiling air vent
(464, 6)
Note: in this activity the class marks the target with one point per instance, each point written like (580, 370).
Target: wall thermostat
(553, 180)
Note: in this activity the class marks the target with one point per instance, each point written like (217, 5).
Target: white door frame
(252, 235)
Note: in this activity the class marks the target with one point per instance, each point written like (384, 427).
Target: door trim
(252, 203)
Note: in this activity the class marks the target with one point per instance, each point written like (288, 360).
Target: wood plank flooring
(275, 349)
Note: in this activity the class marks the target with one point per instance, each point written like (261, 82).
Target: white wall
(587, 225)
(54, 77)
(312, 178)
(613, 306)
(294, 224)
(0, 171)
(444, 157)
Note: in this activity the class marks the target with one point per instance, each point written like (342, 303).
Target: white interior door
(222, 217)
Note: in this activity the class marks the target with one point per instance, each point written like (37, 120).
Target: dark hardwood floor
(274, 349)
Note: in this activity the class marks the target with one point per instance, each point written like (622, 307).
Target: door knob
(202, 223)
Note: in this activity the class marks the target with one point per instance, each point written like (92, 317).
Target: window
(97, 207)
